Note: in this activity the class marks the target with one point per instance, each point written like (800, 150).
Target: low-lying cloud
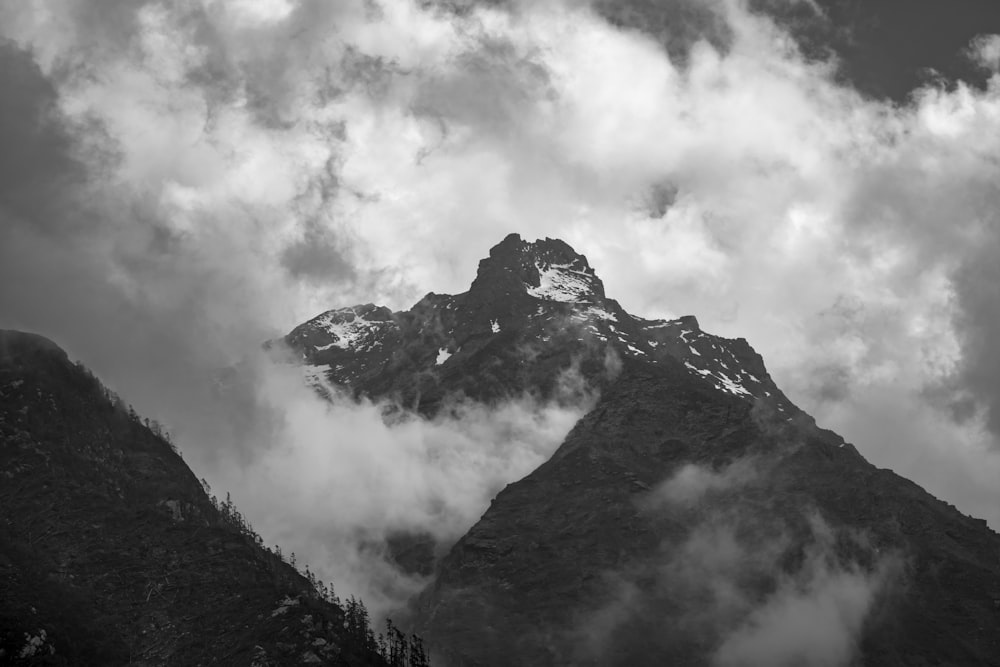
(335, 480)
(688, 485)
(814, 616)
(743, 588)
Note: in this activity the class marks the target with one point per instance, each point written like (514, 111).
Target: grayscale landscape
(570, 332)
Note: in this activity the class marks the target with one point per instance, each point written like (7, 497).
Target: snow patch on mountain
(601, 314)
(443, 356)
(722, 381)
(348, 329)
(561, 282)
(595, 313)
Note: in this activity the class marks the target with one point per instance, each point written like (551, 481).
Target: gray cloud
(316, 257)
(742, 587)
(692, 482)
(813, 617)
(39, 159)
(337, 481)
(979, 327)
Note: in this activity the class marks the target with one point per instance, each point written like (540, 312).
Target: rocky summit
(533, 311)
(695, 516)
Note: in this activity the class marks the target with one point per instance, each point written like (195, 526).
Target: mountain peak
(19, 346)
(546, 269)
(536, 296)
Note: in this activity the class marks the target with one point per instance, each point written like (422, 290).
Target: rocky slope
(112, 553)
(695, 516)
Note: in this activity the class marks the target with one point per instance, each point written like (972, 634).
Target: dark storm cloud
(677, 25)
(888, 49)
(39, 155)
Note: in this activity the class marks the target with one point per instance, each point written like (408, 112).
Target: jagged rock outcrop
(537, 301)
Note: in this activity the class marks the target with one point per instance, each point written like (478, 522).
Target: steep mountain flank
(112, 553)
(604, 554)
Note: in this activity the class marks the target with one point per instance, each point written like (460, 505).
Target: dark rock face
(695, 516)
(112, 553)
(534, 311)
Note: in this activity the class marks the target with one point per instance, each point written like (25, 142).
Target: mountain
(113, 553)
(540, 301)
(695, 516)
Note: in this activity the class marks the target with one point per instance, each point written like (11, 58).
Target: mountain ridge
(553, 300)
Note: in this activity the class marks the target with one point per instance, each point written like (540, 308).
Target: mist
(747, 582)
(815, 615)
(335, 480)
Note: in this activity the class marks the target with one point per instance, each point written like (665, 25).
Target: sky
(180, 181)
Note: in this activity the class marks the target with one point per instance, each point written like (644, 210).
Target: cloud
(335, 481)
(985, 51)
(813, 623)
(742, 586)
(185, 181)
(815, 615)
(38, 156)
(691, 482)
